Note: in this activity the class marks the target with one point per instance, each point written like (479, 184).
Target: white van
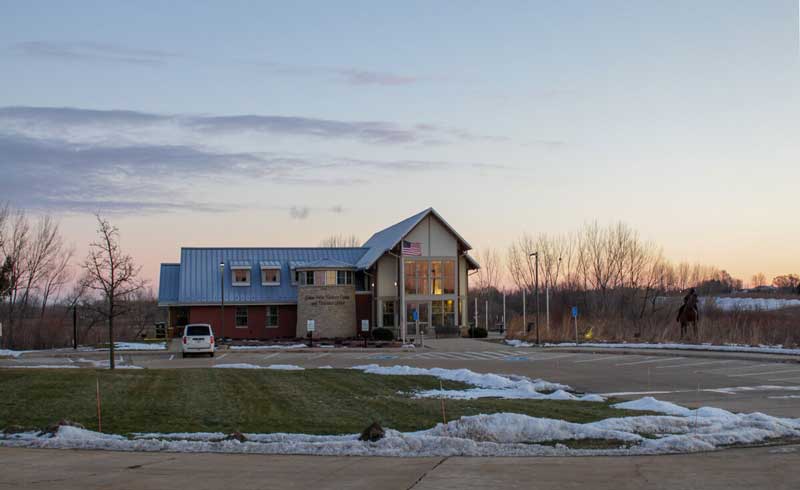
(197, 339)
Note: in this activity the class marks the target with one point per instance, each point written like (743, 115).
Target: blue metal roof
(326, 264)
(169, 283)
(386, 239)
(199, 275)
(196, 280)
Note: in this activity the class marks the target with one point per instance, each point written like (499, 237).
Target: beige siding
(442, 242)
(435, 238)
(462, 276)
(387, 276)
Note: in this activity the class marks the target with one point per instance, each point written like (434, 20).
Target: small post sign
(415, 315)
(575, 319)
(310, 328)
(365, 331)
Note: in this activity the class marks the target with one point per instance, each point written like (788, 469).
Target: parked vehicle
(198, 338)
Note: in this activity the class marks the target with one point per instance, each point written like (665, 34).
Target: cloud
(60, 120)
(105, 53)
(299, 212)
(347, 75)
(84, 51)
(84, 160)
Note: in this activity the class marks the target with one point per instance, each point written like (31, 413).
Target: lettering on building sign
(328, 299)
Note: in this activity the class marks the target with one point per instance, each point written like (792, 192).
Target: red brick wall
(256, 321)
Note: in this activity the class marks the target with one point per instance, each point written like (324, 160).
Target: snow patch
(488, 385)
(268, 347)
(42, 366)
(762, 349)
(751, 304)
(140, 346)
(278, 367)
(499, 434)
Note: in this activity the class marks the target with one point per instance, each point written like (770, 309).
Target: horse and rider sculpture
(688, 313)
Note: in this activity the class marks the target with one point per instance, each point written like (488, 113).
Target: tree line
(41, 282)
(608, 271)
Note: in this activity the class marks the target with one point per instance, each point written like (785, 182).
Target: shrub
(478, 333)
(383, 334)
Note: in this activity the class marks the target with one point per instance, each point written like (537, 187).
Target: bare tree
(758, 280)
(15, 246)
(111, 273)
(340, 241)
(490, 273)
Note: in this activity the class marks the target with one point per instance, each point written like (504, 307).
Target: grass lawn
(316, 401)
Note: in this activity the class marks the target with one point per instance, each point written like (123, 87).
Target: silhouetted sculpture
(688, 313)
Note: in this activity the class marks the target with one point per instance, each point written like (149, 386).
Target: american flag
(411, 248)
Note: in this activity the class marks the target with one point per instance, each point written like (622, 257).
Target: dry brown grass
(780, 327)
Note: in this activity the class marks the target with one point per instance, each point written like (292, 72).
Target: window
(416, 277)
(272, 316)
(241, 317)
(241, 277)
(330, 278)
(436, 277)
(443, 313)
(270, 277)
(422, 277)
(410, 278)
(449, 276)
(305, 278)
(325, 278)
(199, 330)
(388, 313)
(344, 277)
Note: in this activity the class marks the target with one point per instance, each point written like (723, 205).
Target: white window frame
(234, 270)
(277, 317)
(236, 317)
(270, 283)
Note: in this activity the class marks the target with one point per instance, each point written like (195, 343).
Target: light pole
(222, 298)
(536, 288)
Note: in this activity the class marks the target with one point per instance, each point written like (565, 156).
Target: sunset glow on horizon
(292, 123)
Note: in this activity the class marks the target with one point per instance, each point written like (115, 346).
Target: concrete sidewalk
(767, 467)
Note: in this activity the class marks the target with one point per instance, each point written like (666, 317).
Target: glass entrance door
(417, 319)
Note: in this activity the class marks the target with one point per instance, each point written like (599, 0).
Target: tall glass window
(436, 277)
(410, 279)
(422, 276)
(449, 280)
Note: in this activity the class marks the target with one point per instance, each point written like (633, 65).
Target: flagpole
(401, 283)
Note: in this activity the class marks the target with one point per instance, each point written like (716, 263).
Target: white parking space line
(484, 355)
(692, 364)
(795, 370)
(602, 357)
(223, 355)
(552, 357)
(268, 356)
(651, 361)
(319, 356)
(751, 366)
(172, 357)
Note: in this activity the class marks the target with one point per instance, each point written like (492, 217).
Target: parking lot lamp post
(536, 288)
(222, 298)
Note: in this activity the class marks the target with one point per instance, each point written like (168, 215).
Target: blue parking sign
(574, 312)
(415, 315)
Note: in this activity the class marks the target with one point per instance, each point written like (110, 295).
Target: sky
(281, 123)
